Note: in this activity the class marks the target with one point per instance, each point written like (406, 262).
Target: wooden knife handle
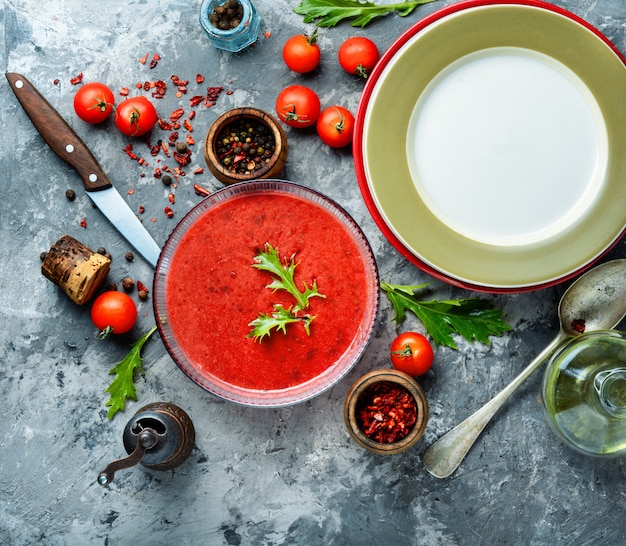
(58, 134)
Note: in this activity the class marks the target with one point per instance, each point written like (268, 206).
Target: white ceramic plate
(490, 147)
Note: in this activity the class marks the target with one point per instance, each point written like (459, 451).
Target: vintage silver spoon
(596, 300)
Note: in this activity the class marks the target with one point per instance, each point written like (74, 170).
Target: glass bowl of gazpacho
(266, 293)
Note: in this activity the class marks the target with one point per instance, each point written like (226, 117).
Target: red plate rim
(358, 136)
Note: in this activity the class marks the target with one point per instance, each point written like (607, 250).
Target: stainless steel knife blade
(68, 146)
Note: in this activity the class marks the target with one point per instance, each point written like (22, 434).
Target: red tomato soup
(213, 291)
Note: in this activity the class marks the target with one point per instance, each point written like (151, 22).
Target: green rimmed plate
(490, 148)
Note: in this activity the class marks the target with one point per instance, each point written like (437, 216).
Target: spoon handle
(444, 456)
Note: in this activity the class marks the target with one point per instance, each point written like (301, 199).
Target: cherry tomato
(358, 55)
(412, 354)
(301, 53)
(298, 106)
(114, 311)
(135, 116)
(93, 102)
(335, 126)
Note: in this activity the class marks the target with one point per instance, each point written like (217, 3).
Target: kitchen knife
(69, 147)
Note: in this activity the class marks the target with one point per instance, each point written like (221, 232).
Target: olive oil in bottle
(584, 393)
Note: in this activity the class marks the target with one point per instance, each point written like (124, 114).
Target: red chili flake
(229, 92)
(203, 192)
(155, 60)
(124, 91)
(159, 88)
(177, 114)
(146, 86)
(153, 219)
(199, 78)
(187, 125)
(386, 412)
(155, 149)
(130, 192)
(209, 103)
(195, 100)
(578, 325)
(176, 125)
(268, 34)
(142, 209)
(213, 93)
(139, 85)
(56, 82)
(199, 170)
(173, 137)
(168, 212)
(141, 287)
(184, 158)
(157, 173)
(143, 59)
(171, 198)
(83, 223)
(190, 140)
(142, 161)
(77, 79)
(129, 152)
(164, 125)
(192, 115)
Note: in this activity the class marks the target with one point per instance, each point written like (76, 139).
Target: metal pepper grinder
(159, 436)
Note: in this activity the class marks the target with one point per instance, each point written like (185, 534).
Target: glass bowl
(207, 291)
(584, 393)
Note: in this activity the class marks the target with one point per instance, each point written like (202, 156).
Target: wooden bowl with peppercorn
(386, 411)
(245, 144)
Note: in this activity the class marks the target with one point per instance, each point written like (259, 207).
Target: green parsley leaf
(328, 13)
(268, 260)
(262, 325)
(123, 386)
(475, 319)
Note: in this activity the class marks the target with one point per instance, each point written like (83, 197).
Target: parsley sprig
(283, 279)
(123, 386)
(475, 319)
(328, 13)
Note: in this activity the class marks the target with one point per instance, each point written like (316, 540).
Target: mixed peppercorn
(227, 16)
(386, 412)
(245, 145)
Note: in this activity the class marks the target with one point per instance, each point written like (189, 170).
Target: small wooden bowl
(351, 406)
(270, 169)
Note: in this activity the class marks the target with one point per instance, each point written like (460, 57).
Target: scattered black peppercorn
(70, 194)
(181, 147)
(143, 295)
(167, 180)
(129, 256)
(101, 250)
(128, 284)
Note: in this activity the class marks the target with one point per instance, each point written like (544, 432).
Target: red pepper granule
(77, 79)
(386, 412)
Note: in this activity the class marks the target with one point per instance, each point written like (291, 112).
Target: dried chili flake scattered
(168, 212)
(199, 170)
(203, 192)
(155, 60)
(141, 286)
(164, 125)
(199, 78)
(386, 412)
(171, 198)
(77, 79)
(143, 59)
(128, 149)
(173, 137)
(192, 115)
(195, 100)
(124, 91)
(131, 191)
(268, 34)
(142, 209)
(190, 140)
(56, 81)
(83, 223)
(177, 114)
(157, 173)
(146, 86)
(187, 125)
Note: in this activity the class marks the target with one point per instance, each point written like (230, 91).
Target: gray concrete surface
(255, 477)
